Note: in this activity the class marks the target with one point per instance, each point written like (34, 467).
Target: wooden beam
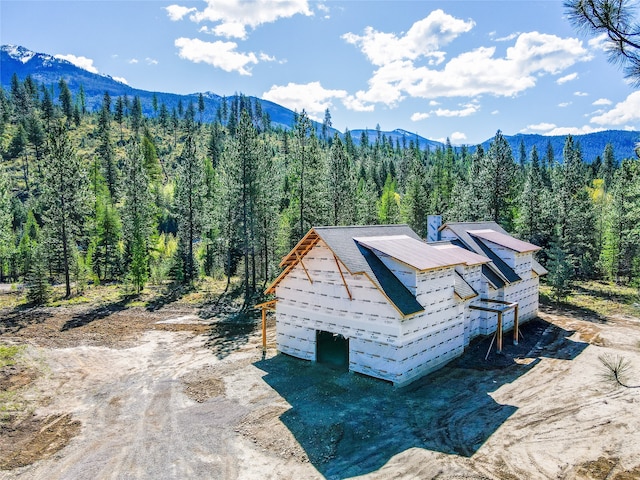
(304, 268)
(264, 330)
(515, 326)
(342, 276)
(499, 333)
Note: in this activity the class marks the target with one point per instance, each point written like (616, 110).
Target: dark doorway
(332, 349)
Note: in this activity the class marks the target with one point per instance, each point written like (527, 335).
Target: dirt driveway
(132, 393)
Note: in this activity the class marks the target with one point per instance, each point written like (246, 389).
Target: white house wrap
(399, 307)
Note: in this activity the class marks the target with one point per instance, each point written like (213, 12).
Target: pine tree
(6, 217)
(65, 100)
(342, 185)
(64, 195)
(137, 216)
(498, 173)
(560, 273)
(389, 204)
(608, 168)
(188, 203)
(38, 288)
(106, 150)
(415, 201)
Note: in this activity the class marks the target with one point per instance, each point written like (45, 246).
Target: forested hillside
(121, 196)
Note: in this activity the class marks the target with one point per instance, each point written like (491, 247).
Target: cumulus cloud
(599, 43)
(472, 73)
(133, 61)
(417, 116)
(553, 129)
(311, 97)
(219, 54)
(121, 80)
(423, 39)
(627, 111)
(602, 101)
(564, 104)
(567, 78)
(79, 61)
(151, 61)
(233, 17)
(457, 137)
(581, 94)
(177, 12)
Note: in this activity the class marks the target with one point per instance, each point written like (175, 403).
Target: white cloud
(417, 116)
(79, 61)
(627, 111)
(177, 12)
(467, 110)
(567, 78)
(506, 38)
(434, 103)
(233, 16)
(133, 61)
(564, 104)
(469, 74)
(423, 39)
(311, 97)
(457, 137)
(573, 130)
(602, 101)
(539, 127)
(599, 42)
(221, 55)
(581, 94)
(495, 112)
(151, 61)
(121, 80)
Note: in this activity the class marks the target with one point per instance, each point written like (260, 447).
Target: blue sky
(457, 69)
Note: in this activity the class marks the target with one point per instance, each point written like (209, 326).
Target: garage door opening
(332, 349)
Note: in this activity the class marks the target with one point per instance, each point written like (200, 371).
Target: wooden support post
(515, 325)
(342, 276)
(499, 333)
(264, 329)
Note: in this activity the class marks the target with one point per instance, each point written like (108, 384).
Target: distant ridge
(47, 69)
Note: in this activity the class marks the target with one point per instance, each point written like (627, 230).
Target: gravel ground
(119, 395)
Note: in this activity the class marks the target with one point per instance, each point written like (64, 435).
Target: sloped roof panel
(466, 256)
(414, 253)
(504, 240)
(462, 288)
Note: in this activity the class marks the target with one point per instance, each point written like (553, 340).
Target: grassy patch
(603, 298)
(9, 354)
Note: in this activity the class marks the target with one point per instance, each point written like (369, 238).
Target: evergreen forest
(117, 196)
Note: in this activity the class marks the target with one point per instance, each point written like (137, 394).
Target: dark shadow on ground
(171, 293)
(97, 313)
(232, 332)
(14, 320)
(350, 425)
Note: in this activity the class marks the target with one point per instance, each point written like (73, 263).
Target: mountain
(47, 70)
(591, 144)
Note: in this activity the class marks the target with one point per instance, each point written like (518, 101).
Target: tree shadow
(172, 293)
(350, 425)
(21, 317)
(232, 332)
(97, 313)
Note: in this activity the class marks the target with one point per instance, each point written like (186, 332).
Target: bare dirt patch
(30, 439)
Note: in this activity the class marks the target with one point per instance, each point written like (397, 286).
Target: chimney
(433, 224)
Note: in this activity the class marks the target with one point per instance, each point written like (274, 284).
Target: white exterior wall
(369, 321)
(404, 273)
(473, 319)
(435, 336)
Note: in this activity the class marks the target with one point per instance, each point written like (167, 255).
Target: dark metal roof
(497, 268)
(506, 271)
(393, 288)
